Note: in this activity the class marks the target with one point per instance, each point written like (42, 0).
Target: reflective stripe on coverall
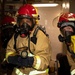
(34, 72)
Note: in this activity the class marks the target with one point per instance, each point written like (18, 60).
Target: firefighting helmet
(7, 30)
(66, 19)
(27, 11)
(8, 19)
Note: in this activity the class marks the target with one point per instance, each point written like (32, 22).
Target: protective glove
(21, 62)
(5, 65)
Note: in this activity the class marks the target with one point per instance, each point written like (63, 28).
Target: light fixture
(65, 5)
(45, 5)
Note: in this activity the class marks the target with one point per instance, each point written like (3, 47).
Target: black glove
(5, 65)
(19, 61)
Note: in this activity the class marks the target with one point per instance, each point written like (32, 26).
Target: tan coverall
(41, 54)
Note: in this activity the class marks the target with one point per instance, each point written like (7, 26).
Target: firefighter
(29, 49)
(66, 25)
(7, 30)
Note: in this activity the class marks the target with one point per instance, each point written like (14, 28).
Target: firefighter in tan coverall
(29, 48)
(67, 27)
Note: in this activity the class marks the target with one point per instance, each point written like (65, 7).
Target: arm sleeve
(42, 52)
(10, 48)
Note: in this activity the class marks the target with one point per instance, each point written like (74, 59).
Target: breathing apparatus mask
(66, 37)
(25, 28)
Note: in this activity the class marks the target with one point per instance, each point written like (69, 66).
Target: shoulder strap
(33, 38)
(40, 27)
(15, 37)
